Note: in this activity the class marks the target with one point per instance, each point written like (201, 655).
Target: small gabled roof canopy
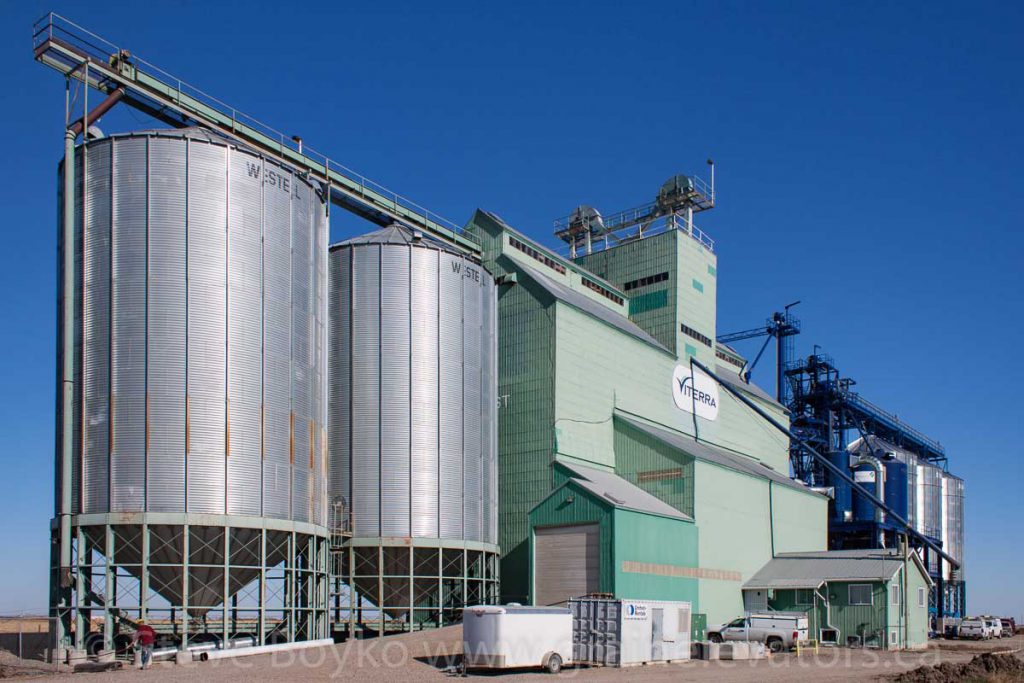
(812, 569)
(616, 491)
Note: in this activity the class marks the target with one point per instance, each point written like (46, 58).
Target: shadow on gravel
(442, 661)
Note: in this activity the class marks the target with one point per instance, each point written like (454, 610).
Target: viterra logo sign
(695, 392)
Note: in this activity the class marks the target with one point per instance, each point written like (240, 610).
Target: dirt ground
(423, 657)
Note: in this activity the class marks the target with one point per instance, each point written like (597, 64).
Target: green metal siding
(634, 260)
(626, 536)
(785, 600)
(526, 412)
(599, 368)
(571, 505)
(851, 620)
(800, 520)
(882, 619)
(731, 512)
(653, 466)
(697, 308)
(661, 541)
(562, 376)
(526, 405)
(866, 621)
(917, 617)
(643, 303)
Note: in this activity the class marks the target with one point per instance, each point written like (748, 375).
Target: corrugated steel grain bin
(628, 632)
(199, 470)
(413, 411)
(413, 420)
(200, 321)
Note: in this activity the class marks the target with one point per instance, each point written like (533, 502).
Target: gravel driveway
(422, 657)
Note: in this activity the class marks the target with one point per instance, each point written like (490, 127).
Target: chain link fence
(24, 643)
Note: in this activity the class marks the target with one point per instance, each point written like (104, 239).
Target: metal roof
(615, 490)
(730, 375)
(584, 303)
(709, 453)
(811, 569)
(568, 263)
(396, 233)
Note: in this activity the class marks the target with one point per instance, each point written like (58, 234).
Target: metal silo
(953, 520)
(413, 428)
(199, 476)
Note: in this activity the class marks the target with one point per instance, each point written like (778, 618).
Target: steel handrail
(55, 27)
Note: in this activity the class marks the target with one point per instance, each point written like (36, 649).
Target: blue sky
(868, 161)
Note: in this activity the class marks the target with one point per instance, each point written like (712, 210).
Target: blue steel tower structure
(900, 464)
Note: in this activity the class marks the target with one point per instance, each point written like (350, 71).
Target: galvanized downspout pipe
(906, 584)
(207, 655)
(68, 347)
(828, 614)
(67, 379)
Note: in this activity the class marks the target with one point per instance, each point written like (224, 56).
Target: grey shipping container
(619, 632)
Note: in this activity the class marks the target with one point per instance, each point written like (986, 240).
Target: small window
(860, 594)
(894, 593)
(922, 597)
(804, 596)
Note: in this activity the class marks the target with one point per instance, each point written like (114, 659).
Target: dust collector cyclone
(200, 403)
(413, 424)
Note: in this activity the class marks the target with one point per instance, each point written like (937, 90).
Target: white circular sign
(695, 392)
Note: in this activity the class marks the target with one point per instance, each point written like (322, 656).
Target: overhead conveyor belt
(81, 55)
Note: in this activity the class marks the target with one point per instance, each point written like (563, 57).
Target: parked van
(995, 627)
(1009, 628)
(974, 629)
(777, 630)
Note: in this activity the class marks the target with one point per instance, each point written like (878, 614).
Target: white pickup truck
(777, 630)
(974, 628)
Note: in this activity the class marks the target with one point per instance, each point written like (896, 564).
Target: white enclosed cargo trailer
(628, 632)
(512, 636)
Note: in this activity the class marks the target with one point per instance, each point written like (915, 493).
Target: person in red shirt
(145, 637)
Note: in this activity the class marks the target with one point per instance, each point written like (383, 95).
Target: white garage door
(566, 563)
